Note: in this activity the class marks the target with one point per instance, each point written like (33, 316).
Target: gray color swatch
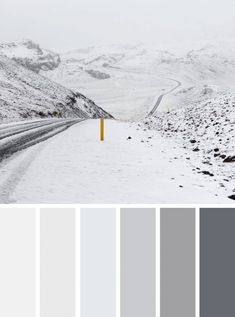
(177, 263)
(17, 262)
(57, 262)
(138, 269)
(217, 262)
(98, 262)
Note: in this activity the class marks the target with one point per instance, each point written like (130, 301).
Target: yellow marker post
(101, 129)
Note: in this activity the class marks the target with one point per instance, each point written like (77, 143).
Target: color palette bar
(104, 261)
(177, 262)
(138, 266)
(57, 262)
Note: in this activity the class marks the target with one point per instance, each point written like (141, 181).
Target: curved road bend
(19, 136)
(151, 113)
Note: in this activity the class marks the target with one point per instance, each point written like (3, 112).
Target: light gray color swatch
(98, 262)
(217, 262)
(177, 262)
(138, 269)
(57, 262)
(17, 262)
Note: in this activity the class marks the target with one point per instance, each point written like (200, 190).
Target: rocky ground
(206, 130)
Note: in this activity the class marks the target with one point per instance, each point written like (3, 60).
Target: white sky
(69, 24)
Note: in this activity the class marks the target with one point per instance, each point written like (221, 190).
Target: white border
(37, 262)
(117, 206)
(118, 262)
(77, 262)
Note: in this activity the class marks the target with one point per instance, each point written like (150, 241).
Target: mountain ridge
(25, 94)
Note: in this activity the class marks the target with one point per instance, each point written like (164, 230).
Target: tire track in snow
(16, 141)
(14, 130)
(17, 169)
(9, 184)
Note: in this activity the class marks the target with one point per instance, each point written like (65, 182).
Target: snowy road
(159, 100)
(130, 166)
(18, 136)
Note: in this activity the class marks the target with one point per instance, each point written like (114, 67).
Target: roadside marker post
(101, 129)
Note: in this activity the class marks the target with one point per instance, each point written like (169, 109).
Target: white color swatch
(17, 262)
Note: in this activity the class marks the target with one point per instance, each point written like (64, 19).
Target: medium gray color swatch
(217, 262)
(17, 262)
(177, 262)
(57, 262)
(98, 262)
(138, 269)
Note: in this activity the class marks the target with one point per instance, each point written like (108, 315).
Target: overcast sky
(69, 24)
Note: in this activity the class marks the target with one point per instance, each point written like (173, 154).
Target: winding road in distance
(159, 100)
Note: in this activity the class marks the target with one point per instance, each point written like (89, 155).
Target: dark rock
(229, 159)
(223, 156)
(207, 173)
(97, 74)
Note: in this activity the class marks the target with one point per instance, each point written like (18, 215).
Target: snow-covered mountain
(30, 55)
(26, 94)
(207, 63)
(110, 74)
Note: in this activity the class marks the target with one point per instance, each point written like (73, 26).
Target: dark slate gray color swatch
(57, 262)
(177, 262)
(138, 262)
(217, 262)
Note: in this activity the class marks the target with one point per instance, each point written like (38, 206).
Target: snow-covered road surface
(130, 166)
(18, 136)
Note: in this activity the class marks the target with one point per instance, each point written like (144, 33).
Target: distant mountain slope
(30, 55)
(210, 63)
(128, 79)
(26, 94)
